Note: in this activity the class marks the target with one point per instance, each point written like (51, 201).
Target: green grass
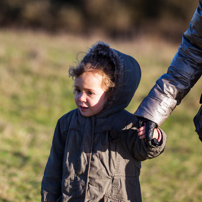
(35, 91)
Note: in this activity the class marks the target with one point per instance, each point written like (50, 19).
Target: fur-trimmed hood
(127, 78)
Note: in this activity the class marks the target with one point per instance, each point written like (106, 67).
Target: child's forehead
(89, 79)
(91, 75)
(96, 71)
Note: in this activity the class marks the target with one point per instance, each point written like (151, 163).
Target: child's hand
(141, 133)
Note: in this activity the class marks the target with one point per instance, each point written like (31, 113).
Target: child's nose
(82, 97)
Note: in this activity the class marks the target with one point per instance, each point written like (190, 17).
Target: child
(97, 151)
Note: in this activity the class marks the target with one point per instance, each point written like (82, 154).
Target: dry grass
(35, 91)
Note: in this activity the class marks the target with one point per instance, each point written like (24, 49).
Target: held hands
(141, 133)
(150, 133)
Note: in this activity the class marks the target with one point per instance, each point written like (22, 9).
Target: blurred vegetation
(115, 18)
(35, 91)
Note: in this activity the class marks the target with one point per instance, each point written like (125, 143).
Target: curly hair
(103, 60)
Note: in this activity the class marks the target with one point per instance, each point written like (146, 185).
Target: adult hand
(148, 131)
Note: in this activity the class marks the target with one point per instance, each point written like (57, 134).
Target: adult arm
(183, 72)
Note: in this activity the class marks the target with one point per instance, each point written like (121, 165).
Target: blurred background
(39, 40)
(115, 18)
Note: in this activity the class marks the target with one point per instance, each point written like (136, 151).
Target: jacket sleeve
(183, 72)
(142, 150)
(51, 182)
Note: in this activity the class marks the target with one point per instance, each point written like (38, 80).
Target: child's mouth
(83, 108)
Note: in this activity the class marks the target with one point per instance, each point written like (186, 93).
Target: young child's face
(89, 95)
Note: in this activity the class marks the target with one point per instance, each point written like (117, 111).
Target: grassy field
(35, 91)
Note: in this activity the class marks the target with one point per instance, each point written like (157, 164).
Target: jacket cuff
(155, 110)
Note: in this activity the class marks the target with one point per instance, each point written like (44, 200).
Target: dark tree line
(116, 18)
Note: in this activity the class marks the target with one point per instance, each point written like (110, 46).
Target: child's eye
(77, 90)
(90, 93)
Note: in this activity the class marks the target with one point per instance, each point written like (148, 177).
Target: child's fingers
(142, 137)
(141, 132)
(141, 129)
